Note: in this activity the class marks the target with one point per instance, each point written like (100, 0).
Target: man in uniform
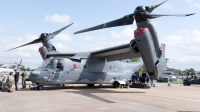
(133, 78)
(24, 74)
(2, 82)
(144, 77)
(137, 75)
(16, 76)
(8, 84)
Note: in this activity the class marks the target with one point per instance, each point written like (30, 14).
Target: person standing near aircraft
(133, 78)
(137, 75)
(144, 77)
(8, 84)
(24, 75)
(3, 81)
(190, 75)
(16, 76)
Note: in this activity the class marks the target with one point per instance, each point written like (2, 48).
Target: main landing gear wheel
(114, 85)
(40, 87)
(119, 85)
(184, 83)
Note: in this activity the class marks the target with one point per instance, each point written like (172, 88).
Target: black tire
(90, 85)
(184, 83)
(119, 85)
(114, 85)
(40, 87)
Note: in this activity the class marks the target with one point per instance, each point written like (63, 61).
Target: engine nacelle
(147, 50)
(43, 51)
(133, 47)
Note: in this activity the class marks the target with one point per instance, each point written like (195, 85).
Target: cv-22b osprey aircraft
(103, 66)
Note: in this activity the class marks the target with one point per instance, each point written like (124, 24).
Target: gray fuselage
(85, 71)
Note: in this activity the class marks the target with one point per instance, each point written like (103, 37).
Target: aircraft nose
(35, 73)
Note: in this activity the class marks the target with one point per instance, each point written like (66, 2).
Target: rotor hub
(138, 14)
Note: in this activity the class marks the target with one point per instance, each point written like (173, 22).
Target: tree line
(21, 68)
(176, 71)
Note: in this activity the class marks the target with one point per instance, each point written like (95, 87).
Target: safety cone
(168, 83)
(154, 83)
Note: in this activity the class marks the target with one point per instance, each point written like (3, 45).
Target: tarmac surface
(80, 98)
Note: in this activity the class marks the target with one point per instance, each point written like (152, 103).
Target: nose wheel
(40, 87)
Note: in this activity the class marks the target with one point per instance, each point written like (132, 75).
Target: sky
(23, 21)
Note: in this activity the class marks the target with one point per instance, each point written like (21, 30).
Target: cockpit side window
(59, 64)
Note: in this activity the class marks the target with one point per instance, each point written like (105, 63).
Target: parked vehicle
(164, 78)
(188, 81)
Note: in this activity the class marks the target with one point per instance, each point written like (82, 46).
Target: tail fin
(162, 63)
(163, 60)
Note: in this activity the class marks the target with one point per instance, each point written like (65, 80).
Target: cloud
(17, 22)
(168, 6)
(126, 33)
(2, 29)
(87, 38)
(64, 37)
(102, 38)
(183, 49)
(189, 1)
(90, 38)
(193, 3)
(56, 18)
(197, 5)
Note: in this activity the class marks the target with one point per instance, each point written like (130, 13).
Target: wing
(75, 56)
(60, 55)
(111, 54)
(116, 53)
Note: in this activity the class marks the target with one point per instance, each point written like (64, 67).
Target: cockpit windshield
(53, 63)
(46, 64)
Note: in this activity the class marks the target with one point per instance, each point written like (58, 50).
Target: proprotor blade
(155, 6)
(33, 42)
(126, 20)
(16, 63)
(151, 16)
(19, 64)
(41, 38)
(58, 31)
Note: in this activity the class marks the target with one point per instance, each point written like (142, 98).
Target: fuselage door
(59, 67)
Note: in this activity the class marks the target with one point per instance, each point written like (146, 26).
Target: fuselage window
(59, 64)
(110, 68)
(85, 67)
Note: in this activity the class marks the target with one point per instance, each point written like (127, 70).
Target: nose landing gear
(40, 87)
